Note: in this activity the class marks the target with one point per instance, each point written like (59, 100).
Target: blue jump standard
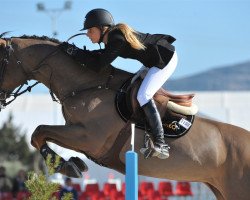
(131, 177)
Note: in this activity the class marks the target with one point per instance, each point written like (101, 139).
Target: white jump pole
(131, 177)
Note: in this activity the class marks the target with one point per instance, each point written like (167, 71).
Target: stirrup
(147, 152)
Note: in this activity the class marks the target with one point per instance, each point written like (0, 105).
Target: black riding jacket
(158, 52)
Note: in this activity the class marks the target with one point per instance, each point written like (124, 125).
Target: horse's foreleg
(72, 137)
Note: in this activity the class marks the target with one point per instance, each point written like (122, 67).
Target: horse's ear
(4, 33)
(3, 42)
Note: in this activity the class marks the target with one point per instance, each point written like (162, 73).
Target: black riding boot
(154, 120)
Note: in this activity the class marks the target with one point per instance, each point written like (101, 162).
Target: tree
(13, 144)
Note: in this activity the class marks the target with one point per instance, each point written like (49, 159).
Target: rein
(75, 36)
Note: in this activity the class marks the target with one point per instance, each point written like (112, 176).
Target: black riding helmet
(98, 18)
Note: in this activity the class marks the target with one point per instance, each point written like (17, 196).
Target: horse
(211, 152)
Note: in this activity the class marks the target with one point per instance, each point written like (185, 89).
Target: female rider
(153, 51)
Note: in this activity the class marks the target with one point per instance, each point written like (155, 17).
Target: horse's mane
(40, 38)
(45, 38)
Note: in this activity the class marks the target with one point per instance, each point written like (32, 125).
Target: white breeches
(154, 79)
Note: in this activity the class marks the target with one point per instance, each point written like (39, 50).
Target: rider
(153, 51)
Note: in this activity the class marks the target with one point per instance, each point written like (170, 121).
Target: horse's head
(11, 72)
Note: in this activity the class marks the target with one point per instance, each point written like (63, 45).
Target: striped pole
(131, 177)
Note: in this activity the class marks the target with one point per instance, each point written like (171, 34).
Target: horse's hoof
(70, 169)
(79, 163)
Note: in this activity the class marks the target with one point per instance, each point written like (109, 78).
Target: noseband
(4, 95)
(4, 62)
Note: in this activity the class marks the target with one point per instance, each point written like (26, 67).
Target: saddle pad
(174, 124)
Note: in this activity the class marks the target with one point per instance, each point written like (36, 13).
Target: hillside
(232, 78)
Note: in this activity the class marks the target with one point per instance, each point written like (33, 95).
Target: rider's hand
(70, 49)
(97, 52)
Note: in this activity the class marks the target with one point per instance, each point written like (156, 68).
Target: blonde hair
(129, 34)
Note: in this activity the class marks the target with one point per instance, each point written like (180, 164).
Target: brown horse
(215, 153)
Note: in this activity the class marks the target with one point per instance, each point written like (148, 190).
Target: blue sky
(209, 33)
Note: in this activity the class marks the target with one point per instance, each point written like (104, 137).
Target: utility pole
(54, 13)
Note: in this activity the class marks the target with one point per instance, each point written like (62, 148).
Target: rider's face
(94, 34)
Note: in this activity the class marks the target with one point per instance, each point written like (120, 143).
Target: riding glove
(70, 49)
(82, 56)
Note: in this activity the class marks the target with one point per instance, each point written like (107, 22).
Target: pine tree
(40, 188)
(13, 144)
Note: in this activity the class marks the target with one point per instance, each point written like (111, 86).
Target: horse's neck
(59, 72)
(69, 77)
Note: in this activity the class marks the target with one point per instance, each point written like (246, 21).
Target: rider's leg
(155, 123)
(152, 82)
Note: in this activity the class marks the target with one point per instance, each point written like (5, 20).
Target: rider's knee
(143, 98)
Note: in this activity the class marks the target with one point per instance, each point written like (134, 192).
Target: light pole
(54, 13)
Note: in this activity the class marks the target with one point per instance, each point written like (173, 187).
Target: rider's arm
(99, 59)
(79, 55)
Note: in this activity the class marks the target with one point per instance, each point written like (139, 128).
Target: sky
(209, 33)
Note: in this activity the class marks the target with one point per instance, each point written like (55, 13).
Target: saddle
(177, 111)
(177, 114)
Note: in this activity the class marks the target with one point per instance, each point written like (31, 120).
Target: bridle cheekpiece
(4, 95)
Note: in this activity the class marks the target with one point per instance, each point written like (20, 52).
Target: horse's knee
(37, 131)
(37, 138)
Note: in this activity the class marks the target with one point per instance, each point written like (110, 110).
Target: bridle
(5, 95)
(8, 51)
(4, 62)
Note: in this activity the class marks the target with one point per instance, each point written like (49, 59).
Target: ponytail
(129, 34)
